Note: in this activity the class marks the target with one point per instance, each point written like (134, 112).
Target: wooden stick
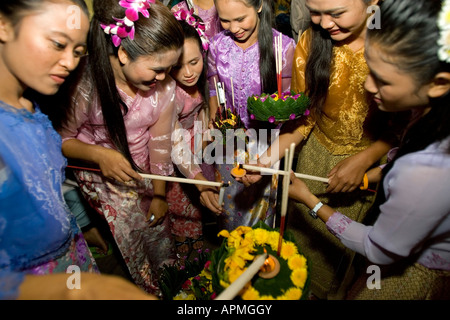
(166, 178)
(181, 180)
(275, 171)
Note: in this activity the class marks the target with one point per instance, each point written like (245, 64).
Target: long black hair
(157, 34)
(401, 25)
(318, 66)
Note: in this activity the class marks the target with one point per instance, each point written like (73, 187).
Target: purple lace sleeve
(338, 223)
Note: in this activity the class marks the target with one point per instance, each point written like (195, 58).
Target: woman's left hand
(158, 210)
(298, 189)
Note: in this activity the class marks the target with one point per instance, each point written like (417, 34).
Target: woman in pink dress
(185, 211)
(121, 122)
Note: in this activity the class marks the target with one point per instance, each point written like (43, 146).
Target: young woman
(185, 211)
(40, 241)
(243, 55)
(341, 139)
(409, 240)
(122, 119)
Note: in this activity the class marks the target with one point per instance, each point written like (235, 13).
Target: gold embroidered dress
(343, 130)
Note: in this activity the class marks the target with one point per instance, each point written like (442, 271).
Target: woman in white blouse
(408, 246)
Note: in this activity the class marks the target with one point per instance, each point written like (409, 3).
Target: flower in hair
(125, 27)
(444, 27)
(185, 15)
(134, 7)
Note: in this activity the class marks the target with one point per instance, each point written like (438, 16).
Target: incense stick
(218, 100)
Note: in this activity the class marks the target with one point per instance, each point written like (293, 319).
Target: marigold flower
(298, 277)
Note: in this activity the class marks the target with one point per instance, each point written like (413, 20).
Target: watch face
(313, 214)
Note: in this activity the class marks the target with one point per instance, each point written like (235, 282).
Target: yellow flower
(296, 262)
(274, 236)
(298, 277)
(267, 298)
(224, 233)
(261, 236)
(288, 249)
(229, 121)
(292, 294)
(235, 237)
(250, 294)
(242, 230)
(234, 274)
(241, 256)
(224, 284)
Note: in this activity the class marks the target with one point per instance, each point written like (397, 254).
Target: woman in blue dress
(41, 43)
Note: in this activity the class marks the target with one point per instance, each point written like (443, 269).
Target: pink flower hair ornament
(185, 15)
(125, 27)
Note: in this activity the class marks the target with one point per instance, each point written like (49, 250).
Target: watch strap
(313, 211)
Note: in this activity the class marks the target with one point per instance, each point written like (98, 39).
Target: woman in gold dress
(341, 138)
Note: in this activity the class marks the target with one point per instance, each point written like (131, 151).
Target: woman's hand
(158, 210)
(210, 199)
(252, 177)
(209, 195)
(115, 166)
(298, 189)
(347, 175)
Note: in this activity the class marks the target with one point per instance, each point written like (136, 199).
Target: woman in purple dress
(242, 58)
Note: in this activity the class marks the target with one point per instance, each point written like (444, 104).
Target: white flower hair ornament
(444, 27)
(185, 15)
(125, 27)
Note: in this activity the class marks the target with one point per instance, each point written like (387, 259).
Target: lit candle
(234, 288)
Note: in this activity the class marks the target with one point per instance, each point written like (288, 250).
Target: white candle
(282, 172)
(221, 195)
(181, 180)
(234, 288)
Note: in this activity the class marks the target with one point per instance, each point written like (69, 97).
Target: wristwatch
(313, 211)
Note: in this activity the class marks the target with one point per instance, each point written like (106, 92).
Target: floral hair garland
(185, 15)
(125, 27)
(444, 26)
